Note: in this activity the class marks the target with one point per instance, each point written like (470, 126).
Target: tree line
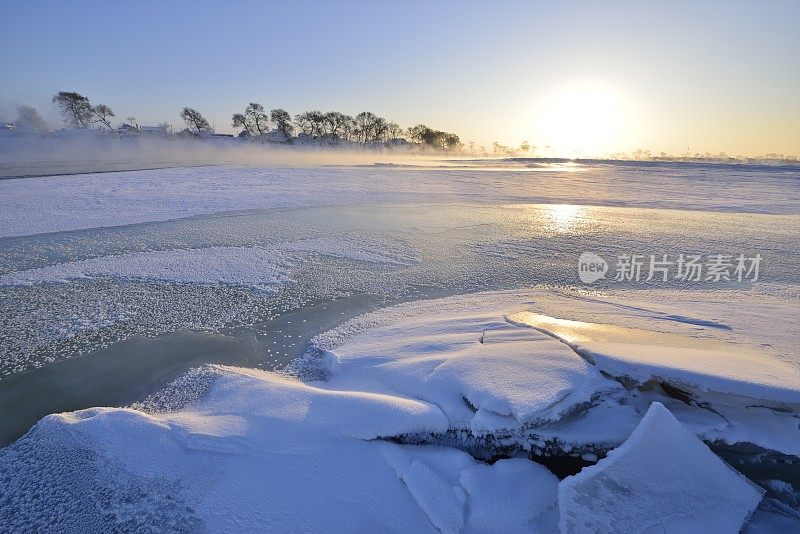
(257, 123)
(366, 127)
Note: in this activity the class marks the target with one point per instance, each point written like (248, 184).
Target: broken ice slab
(694, 364)
(661, 479)
(484, 373)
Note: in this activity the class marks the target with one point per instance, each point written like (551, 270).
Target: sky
(570, 78)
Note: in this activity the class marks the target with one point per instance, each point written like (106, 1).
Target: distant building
(7, 128)
(161, 129)
(128, 129)
(135, 129)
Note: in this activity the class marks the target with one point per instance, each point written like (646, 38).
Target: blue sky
(708, 76)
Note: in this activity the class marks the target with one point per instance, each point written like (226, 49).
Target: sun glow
(583, 120)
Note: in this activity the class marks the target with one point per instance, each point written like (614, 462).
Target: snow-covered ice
(482, 371)
(121, 198)
(386, 432)
(457, 414)
(255, 267)
(643, 355)
(486, 361)
(260, 452)
(662, 479)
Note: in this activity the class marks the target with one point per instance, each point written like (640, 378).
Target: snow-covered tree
(28, 118)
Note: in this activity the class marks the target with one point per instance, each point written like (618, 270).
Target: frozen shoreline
(418, 368)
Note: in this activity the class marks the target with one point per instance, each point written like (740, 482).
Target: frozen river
(112, 285)
(219, 284)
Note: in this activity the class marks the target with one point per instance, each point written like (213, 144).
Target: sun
(583, 120)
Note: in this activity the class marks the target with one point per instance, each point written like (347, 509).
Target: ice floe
(486, 364)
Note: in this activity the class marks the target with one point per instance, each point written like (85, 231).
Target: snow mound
(259, 452)
(661, 479)
(485, 364)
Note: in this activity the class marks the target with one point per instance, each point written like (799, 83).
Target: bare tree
(451, 141)
(240, 121)
(379, 129)
(255, 114)
(349, 128)
(303, 123)
(336, 124)
(393, 131)
(75, 108)
(28, 118)
(194, 119)
(434, 138)
(254, 119)
(311, 123)
(102, 115)
(365, 123)
(283, 122)
(418, 133)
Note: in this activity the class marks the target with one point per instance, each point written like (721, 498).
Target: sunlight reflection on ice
(562, 216)
(580, 332)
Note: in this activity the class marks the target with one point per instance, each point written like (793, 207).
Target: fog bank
(42, 156)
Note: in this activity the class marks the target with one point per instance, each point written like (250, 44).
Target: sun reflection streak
(563, 216)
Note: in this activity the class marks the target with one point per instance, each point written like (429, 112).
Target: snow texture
(260, 268)
(259, 452)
